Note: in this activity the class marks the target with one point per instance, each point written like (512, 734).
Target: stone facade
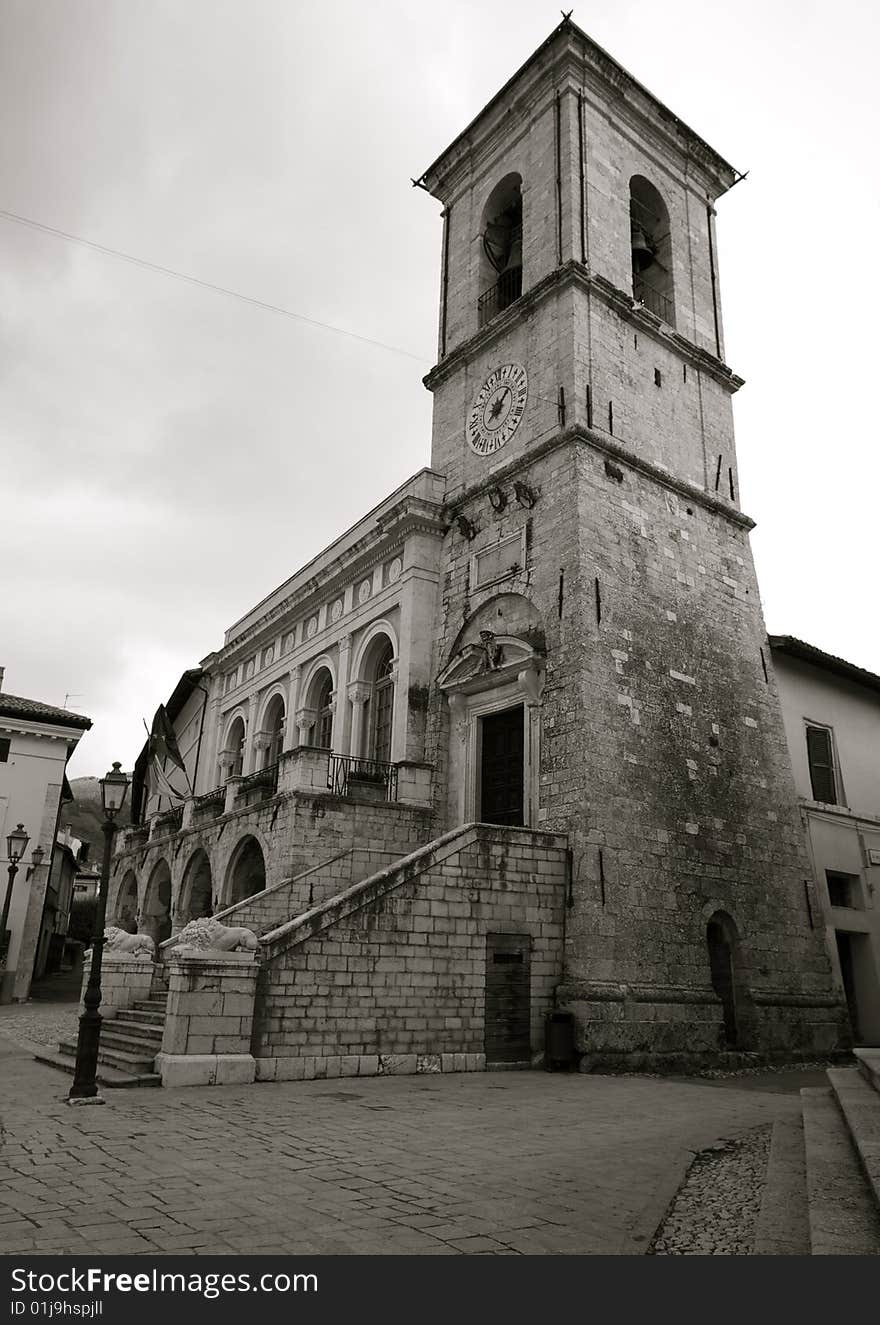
(556, 630)
(390, 975)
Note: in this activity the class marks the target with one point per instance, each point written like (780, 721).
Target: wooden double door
(502, 774)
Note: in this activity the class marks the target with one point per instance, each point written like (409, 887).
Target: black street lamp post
(113, 790)
(16, 845)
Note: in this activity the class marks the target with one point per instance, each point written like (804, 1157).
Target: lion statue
(119, 943)
(208, 935)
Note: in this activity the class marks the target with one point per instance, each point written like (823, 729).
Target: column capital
(359, 691)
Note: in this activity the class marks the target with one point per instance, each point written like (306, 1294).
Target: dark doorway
(508, 1000)
(721, 969)
(502, 783)
(847, 972)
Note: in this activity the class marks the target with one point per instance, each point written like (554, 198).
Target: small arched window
(651, 248)
(501, 241)
(235, 746)
(274, 727)
(322, 730)
(381, 705)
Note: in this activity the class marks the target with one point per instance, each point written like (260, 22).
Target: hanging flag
(163, 749)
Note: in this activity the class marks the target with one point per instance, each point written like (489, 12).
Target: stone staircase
(822, 1195)
(129, 1043)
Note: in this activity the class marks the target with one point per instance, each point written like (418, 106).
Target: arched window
(273, 725)
(322, 730)
(127, 903)
(651, 247)
(502, 249)
(195, 893)
(156, 917)
(380, 705)
(246, 872)
(235, 747)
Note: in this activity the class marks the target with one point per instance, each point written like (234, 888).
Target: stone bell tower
(602, 665)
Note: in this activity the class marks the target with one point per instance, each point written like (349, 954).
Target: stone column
(291, 739)
(207, 1036)
(305, 721)
(358, 693)
(342, 723)
(206, 779)
(262, 741)
(249, 751)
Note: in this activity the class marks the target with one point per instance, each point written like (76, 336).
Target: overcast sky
(169, 454)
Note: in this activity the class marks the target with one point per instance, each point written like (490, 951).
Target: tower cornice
(569, 51)
(613, 449)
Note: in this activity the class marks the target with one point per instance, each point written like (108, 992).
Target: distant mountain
(84, 815)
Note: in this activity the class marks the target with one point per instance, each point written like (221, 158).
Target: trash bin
(559, 1050)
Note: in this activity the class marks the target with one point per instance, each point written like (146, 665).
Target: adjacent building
(36, 741)
(831, 712)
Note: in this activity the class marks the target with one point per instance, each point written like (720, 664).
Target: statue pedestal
(207, 1035)
(124, 980)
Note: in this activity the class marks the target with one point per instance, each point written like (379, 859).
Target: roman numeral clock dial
(498, 408)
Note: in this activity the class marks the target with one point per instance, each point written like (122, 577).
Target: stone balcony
(259, 830)
(302, 769)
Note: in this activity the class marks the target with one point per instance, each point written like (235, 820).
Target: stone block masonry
(124, 981)
(390, 975)
(209, 1023)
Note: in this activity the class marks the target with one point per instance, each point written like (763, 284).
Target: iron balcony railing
(500, 295)
(168, 821)
(347, 775)
(659, 304)
(265, 779)
(211, 803)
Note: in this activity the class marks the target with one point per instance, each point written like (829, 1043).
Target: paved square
(484, 1163)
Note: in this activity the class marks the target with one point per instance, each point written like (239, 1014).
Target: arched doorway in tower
(195, 893)
(125, 911)
(246, 874)
(725, 967)
(156, 916)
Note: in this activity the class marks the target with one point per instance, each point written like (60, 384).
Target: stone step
(868, 1062)
(148, 1039)
(844, 1220)
(131, 1016)
(136, 1064)
(159, 1005)
(860, 1105)
(783, 1227)
(107, 1076)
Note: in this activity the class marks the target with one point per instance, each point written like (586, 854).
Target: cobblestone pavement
(39, 1023)
(488, 1163)
(715, 1213)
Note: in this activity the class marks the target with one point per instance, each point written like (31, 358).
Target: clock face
(498, 408)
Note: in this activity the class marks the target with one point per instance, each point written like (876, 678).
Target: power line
(205, 285)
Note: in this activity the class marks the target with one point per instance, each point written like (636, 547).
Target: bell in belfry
(642, 252)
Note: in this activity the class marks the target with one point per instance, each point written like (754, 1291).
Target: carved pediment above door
(494, 661)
